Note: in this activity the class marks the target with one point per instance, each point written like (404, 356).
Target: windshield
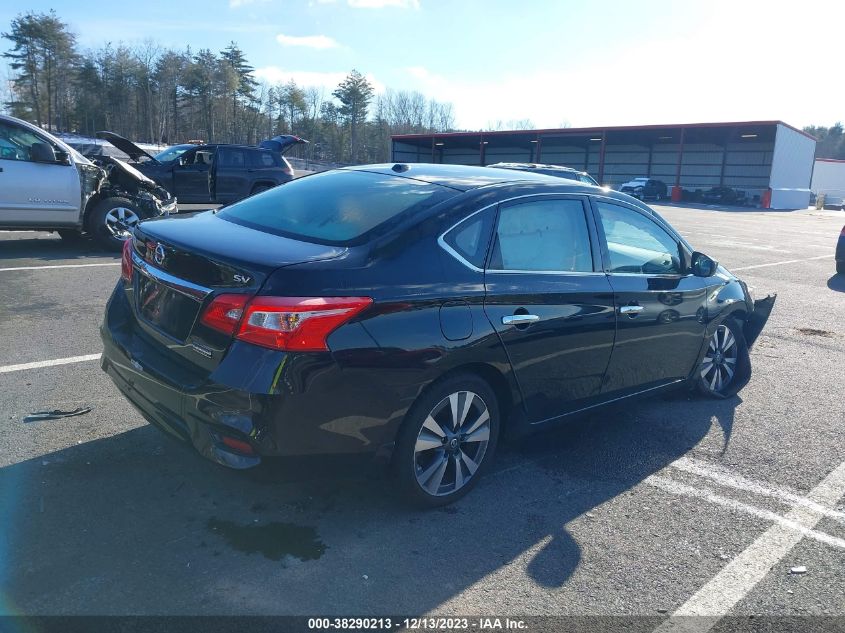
(335, 207)
(172, 153)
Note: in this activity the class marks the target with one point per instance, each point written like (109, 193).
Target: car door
(34, 193)
(660, 304)
(550, 303)
(191, 175)
(231, 174)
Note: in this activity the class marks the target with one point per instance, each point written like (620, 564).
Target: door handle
(631, 311)
(519, 319)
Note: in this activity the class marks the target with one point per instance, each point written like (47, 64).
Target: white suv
(47, 185)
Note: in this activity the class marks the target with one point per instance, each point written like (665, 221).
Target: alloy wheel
(451, 443)
(719, 365)
(120, 221)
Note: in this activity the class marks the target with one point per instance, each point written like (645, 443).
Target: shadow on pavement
(130, 523)
(48, 247)
(837, 283)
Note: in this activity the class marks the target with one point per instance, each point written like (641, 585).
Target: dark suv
(643, 188)
(213, 173)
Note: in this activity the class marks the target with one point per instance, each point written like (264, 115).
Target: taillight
(297, 323)
(225, 313)
(126, 261)
(238, 445)
(284, 323)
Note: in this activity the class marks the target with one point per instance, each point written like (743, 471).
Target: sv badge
(243, 279)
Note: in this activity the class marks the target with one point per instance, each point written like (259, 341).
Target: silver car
(47, 185)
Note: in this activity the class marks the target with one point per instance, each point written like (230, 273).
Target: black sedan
(840, 253)
(413, 312)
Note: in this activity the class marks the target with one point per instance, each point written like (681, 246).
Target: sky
(555, 62)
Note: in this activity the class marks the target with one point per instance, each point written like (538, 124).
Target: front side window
(544, 235)
(637, 244)
(16, 142)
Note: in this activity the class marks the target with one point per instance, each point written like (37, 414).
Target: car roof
(460, 177)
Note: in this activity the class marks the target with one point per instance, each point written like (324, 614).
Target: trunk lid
(181, 264)
(282, 143)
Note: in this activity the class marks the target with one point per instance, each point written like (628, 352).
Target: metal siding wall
(462, 156)
(792, 163)
(507, 155)
(568, 156)
(624, 162)
(828, 176)
(405, 153)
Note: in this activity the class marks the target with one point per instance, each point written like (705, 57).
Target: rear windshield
(335, 207)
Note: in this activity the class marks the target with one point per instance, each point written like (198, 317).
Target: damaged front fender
(758, 318)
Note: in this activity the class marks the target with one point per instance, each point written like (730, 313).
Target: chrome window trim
(442, 241)
(187, 288)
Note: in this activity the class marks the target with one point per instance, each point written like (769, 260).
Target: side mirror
(703, 266)
(42, 153)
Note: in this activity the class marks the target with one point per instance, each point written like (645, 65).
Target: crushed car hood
(133, 173)
(282, 143)
(125, 145)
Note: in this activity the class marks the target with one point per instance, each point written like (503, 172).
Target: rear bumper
(279, 404)
(163, 405)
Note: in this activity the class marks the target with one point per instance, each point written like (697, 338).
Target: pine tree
(354, 94)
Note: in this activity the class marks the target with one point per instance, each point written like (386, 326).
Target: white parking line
(5, 369)
(60, 266)
(708, 495)
(788, 261)
(723, 476)
(727, 588)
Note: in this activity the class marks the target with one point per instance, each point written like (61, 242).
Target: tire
(112, 220)
(840, 267)
(726, 367)
(431, 474)
(259, 188)
(70, 236)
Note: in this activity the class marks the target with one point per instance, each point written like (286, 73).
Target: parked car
(644, 188)
(550, 170)
(46, 185)
(724, 195)
(840, 253)
(414, 312)
(831, 200)
(214, 173)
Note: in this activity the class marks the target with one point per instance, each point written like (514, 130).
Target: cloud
(319, 42)
(381, 4)
(308, 78)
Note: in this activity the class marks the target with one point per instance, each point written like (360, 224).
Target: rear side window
(230, 157)
(336, 207)
(544, 235)
(263, 158)
(471, 237)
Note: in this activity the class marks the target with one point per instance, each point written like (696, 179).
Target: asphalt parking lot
(672, 505)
